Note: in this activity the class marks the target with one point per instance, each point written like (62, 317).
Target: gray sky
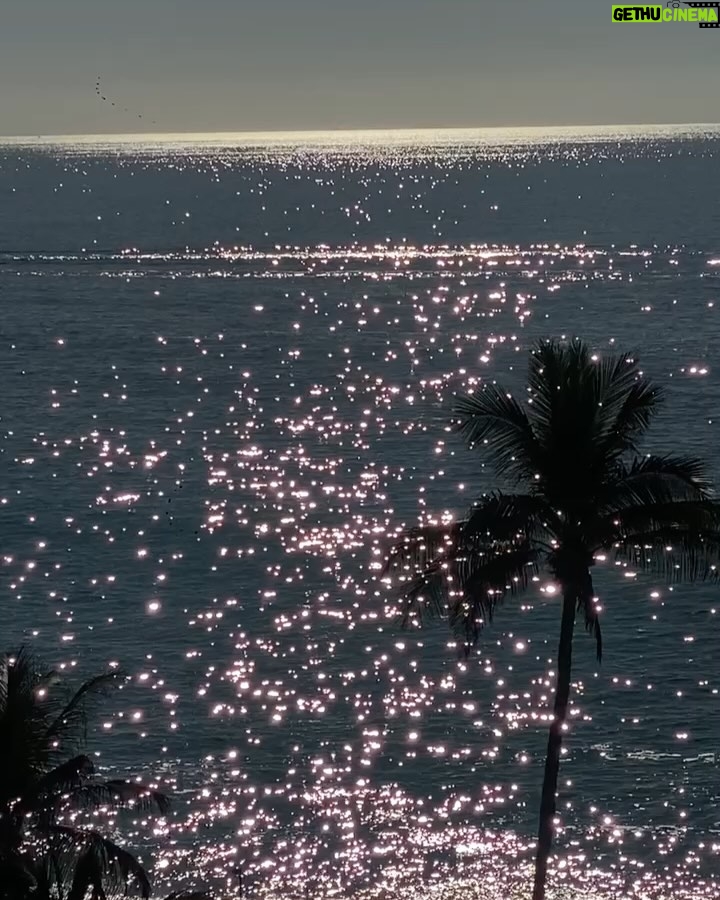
(250, 65)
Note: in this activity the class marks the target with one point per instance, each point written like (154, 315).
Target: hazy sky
(247, 65)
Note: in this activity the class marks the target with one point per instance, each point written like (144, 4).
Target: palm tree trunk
(552, 759)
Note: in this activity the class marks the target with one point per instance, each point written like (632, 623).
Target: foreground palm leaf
(40, 855)
(570, 455)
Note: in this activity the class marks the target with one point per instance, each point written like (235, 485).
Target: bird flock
(100, 93)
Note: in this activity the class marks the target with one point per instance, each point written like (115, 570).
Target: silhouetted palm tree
(45, 780)
(571, 450)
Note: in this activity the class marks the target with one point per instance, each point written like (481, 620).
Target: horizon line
(318, 132)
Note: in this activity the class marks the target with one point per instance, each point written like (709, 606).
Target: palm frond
(190, 895)
(653, 494)
(625, 402)
(58, 870)
(494, 420)
(586, 412)
(587, 604)
(19, 875)
(4, 676)
(420, 546)
(676, 554)
(118, 792)
(88, 876)
(592, 626)
(48, 794)
(638, 404)
(425, 594)
(24, 752)
(557, 374)
(461, 571)
(67, 776)
(70, 722)
(568, 419)
(685, 516)
(657, 479)
(508, 517)
(104, 863)
(466, 588)
(485, 580)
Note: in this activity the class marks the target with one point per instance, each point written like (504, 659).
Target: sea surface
(225, 369)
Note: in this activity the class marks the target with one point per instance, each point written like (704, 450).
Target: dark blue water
(226, 372)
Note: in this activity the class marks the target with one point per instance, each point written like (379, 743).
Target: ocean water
(226, 366)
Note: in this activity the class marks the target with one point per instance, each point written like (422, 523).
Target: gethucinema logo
(706, 15)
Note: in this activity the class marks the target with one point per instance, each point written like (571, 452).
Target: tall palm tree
(570, 454)
(45, 780)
